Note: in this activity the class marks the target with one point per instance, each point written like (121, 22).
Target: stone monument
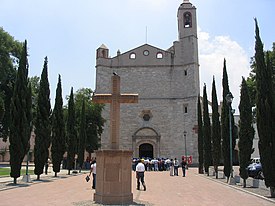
(114, 166)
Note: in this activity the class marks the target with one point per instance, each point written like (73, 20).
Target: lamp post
(185, 147)
(229, 98)
(27, 177)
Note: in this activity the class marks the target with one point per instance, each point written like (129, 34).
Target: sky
(68, 32)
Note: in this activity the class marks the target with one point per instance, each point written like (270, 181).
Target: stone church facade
(167, 82)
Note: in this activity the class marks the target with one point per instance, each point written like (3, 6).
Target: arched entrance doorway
(146, 150)
(146, 142)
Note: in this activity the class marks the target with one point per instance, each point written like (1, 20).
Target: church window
(132, 56)
(187, 20)
(146, 117)
(185, 72)
(159, 55)
(185, 108)
(146, 52)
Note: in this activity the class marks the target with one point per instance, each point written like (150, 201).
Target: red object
(189, 159)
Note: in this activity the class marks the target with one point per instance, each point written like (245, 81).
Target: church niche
(187, 17)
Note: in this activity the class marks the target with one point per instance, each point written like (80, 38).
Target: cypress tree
(71, 133)
(2, 109)
(206, 133)
(2, 113)
(225, 124)
(216, 129)
(246, 133)
(42, 123)
(200, 137)
(265, 113)
(58, 130)
(21, 118)
(82, 136)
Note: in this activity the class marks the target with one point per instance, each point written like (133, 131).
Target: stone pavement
(162, 189)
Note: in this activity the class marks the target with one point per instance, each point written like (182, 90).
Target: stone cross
(115, 99)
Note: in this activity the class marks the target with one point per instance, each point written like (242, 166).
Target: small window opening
(185, 109)
(159, 55)
(185, 72)
(132, 56)
(187, 20)
(103, 53)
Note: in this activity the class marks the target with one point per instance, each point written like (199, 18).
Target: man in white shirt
(93, 171)
(140, 169)
(176, 167)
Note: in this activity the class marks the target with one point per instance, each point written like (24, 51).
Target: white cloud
(212, 51)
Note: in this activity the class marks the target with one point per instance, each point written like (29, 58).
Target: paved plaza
(162, 189)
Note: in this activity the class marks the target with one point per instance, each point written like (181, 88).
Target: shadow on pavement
(17, 185)
(90, 203)
(41, 180)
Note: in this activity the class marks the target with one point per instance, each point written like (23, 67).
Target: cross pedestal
(114, 166)
(114, 177)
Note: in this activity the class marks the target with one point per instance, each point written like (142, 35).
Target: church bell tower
(187, 31)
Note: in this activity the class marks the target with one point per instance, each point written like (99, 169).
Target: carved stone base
(113, 177)
(26, 178)
(231, 181)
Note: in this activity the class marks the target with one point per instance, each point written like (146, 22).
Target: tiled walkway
(162, 189)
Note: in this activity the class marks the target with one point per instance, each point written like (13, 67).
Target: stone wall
(165, 92)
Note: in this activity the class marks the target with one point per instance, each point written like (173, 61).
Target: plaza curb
(240, 189)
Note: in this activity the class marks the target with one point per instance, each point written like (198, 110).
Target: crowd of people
(162, 164)
(140, 166)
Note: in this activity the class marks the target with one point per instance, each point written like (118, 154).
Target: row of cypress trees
(213, 140)
(50, 127)
(209, 137)
(265, 105)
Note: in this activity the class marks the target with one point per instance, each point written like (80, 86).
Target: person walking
(183, 166)
(93, 171)
(171, 167)
(176, 167)
(140, 169)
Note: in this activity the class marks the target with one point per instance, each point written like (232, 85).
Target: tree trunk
(244, 183)
(38, 177)
(216, 172)
(201, 170)
(272, 192)
(14, 180)
(55, 174)
(69, 172)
